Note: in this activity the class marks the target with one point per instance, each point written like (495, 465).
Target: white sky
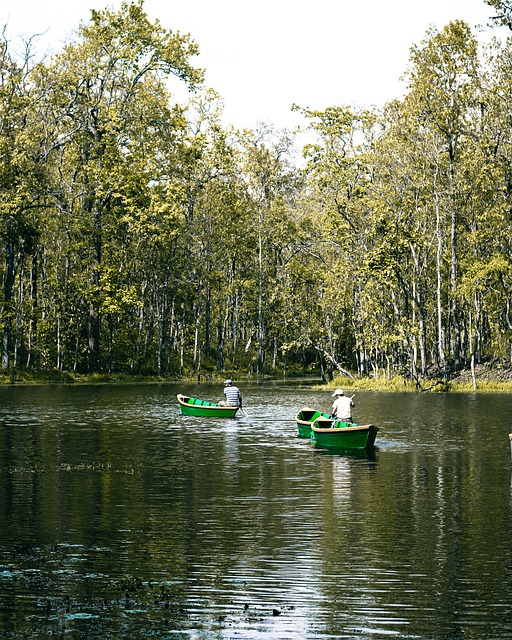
(262, 57)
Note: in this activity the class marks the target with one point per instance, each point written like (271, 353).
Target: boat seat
(198, 401)
(191, 400)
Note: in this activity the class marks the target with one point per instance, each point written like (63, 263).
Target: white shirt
(342, 408)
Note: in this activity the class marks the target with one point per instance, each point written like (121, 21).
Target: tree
(339, 177)
(270, 182)
(503, 10)
(22, 178)
(107, 106)
(444, 89)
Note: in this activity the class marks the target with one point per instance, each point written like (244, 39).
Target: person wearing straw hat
(342, 406)
(233, 395)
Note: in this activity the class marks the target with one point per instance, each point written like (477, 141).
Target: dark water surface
(120, 518)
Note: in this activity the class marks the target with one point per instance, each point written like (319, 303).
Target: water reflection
(125, 519)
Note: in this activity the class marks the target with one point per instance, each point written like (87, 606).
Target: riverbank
(64, 377)
(489, 378)
(495, 378)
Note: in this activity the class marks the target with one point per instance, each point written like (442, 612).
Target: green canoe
(326, 432)
(305, 419)
(195, 407)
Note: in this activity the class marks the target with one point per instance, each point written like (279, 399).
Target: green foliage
(503, 12)
(139, 236)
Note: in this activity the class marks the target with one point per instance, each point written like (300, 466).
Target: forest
(141, 236)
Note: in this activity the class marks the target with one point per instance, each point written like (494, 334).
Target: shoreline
(489, 379)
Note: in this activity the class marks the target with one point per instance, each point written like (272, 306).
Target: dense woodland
(140, 235)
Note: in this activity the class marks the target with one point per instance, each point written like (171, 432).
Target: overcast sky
(262, 57)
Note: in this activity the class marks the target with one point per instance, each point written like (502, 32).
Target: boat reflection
(364, 454)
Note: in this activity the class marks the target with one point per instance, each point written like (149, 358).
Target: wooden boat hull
(340, 435)
(190, 406)
(305, 419)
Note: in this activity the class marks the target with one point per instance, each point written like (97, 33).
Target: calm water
(120, 518)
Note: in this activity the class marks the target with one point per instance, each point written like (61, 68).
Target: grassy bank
(63, 377)
(490, 380)
(399, 384)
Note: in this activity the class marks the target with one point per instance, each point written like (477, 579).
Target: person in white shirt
(342, 406)
(233, 395)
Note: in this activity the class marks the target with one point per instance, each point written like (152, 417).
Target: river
(122, 518)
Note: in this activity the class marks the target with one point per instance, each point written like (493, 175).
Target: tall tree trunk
(453, 289)
(8, 289)
(439, 257)
(94, 318)
(261, 328)
(32, 326)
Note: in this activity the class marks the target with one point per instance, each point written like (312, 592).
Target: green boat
(305, 419)
(335, 434)
(195, 407)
